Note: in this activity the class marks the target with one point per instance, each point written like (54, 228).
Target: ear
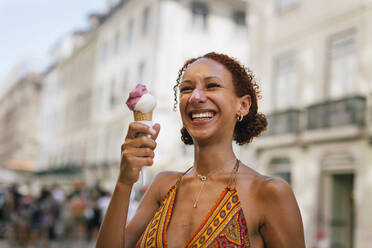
(245, 104)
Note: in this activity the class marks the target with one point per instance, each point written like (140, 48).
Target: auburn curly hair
(244, 83)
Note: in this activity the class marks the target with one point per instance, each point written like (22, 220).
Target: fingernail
(152, 131)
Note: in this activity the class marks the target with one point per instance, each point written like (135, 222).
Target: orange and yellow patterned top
(224, 226)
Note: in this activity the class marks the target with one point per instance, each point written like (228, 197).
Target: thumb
(155, 127)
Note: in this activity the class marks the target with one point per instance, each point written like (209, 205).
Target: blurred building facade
(313, 60)
(19, 122)
(66, 125)
(146, 41)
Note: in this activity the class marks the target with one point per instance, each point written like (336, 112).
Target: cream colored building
(313, 59)
(19, 122)
(66, 127)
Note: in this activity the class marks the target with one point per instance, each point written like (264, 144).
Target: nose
(197, 97)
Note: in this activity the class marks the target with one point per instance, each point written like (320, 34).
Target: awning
(62, 170)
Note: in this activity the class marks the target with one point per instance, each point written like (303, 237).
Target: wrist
(123, 185)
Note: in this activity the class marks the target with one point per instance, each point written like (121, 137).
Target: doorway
(336, 215)
(341, 223)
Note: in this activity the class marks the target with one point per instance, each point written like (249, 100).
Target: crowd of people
(27, 220)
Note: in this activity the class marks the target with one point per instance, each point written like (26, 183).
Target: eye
(185, 89)
(213, 85)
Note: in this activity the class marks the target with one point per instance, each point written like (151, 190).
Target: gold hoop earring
(240, 117)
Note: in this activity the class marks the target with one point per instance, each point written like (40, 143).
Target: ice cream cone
(139, 116)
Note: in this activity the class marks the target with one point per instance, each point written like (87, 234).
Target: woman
(218, 104)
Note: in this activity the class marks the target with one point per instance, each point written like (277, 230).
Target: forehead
(205, 67)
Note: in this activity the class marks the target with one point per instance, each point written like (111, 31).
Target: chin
(201, 137)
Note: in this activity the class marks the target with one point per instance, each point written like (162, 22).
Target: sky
(30, 28)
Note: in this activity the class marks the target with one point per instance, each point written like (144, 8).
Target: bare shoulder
(167, 178)
(275, 189)
(249, 180)
(163, 181)
(263, 186)
(277, 219)
(269, 194)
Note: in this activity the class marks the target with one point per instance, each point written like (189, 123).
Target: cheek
(182, 104)
(232, 106)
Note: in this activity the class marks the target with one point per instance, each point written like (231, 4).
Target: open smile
(200, 117)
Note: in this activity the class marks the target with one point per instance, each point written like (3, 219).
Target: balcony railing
(333, 113)
(283, 122)
(336, 113)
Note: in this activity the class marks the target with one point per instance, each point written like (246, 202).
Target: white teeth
(202, 115)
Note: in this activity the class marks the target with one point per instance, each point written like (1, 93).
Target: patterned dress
(224, 226)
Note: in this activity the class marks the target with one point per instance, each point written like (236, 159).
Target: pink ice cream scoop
(135, 96)
(140, 100)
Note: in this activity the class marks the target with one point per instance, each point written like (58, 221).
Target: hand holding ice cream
(142, 103)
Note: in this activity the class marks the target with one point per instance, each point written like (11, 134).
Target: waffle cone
(139, 116)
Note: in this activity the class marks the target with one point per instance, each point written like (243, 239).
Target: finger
(141, 152)
(142, 141)
(155, 127)
(139, 161)
(137, 127)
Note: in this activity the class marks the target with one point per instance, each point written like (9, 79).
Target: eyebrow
(212, 77)
(186, 81)
(206, 78)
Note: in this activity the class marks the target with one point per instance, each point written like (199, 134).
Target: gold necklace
(203, 180)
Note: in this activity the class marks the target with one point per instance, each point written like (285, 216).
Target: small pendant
(195, 205)
(202, 178)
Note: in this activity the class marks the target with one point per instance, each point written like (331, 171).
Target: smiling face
(208, 103)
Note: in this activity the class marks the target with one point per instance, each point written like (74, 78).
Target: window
(285, 81)
(98, 98)
(141, 70)
(130, 32)
(114, 95)
(125, 85)
(104, 52)
(145, 20)
(283, 5)
(37, 87)
(116, 41)
(83, 104)
(239, 18)
(343, 68)
(281, 167)
(199, 15)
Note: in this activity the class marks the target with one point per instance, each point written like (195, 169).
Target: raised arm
(135, 153)
(282, 224)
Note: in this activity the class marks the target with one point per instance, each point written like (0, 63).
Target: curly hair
(254, 123)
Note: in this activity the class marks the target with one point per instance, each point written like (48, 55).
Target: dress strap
(234, 173)
(180, 177)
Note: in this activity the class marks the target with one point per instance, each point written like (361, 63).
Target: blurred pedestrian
(78, 205)
(58, 200)
(12, 208)
(3, 213)
(35, 223)
(47, 221)
(94, 216)
(24, 220)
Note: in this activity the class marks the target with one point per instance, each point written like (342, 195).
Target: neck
(213, 157)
